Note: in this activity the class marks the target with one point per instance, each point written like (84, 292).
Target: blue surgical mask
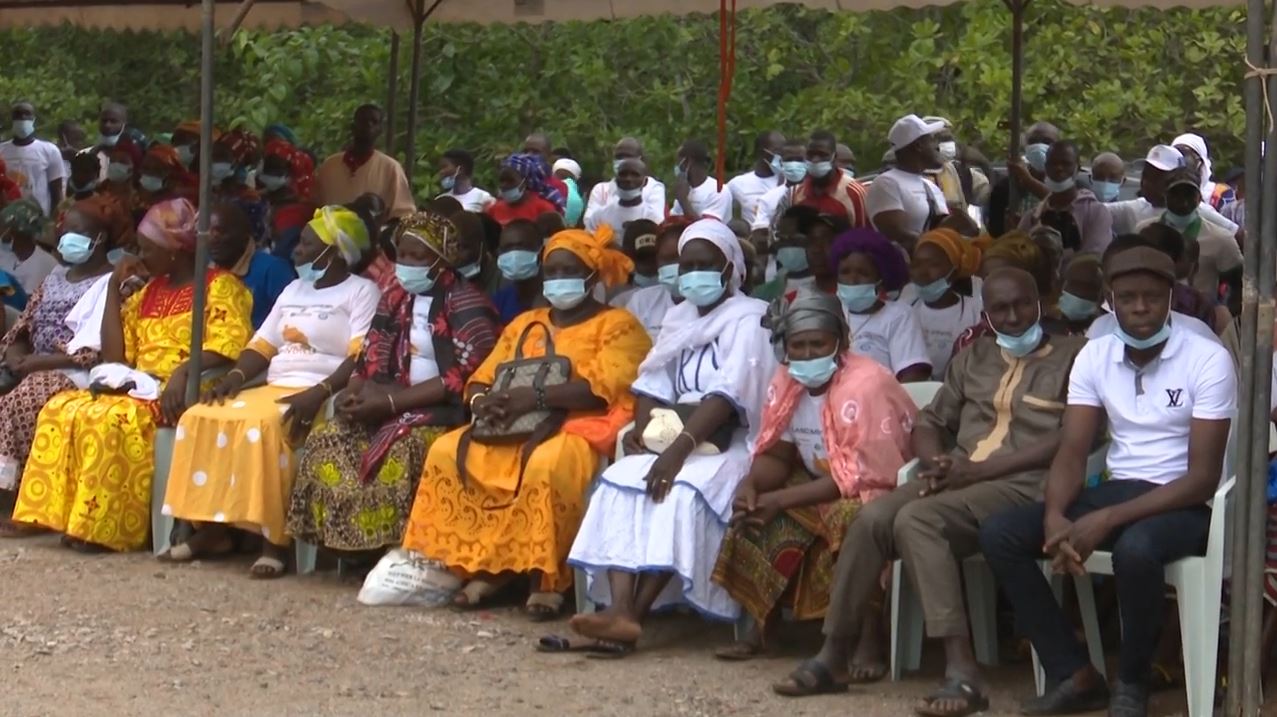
(644, 280)
(185, 153)
(792, 259)
(1158, 337)
(119, 171)
(75, 248)
(518, 264)
(1035, 155)
(470, 271)
(448, 182)
(109, 140)
(89, 186)
(932, 292)
(777, 166)
(512, 195)
(150, 182)
(820, 170)
(1075, 308)
(858, 297)
(1063, 185)
(308, 273)
(680, 171)
(1178, 222)
(1105, 191)
(616, 166)
(629, 195)
(222, 171)
(814, 373)
(794, 172)
(564, 293)
(115, 255)
(272, 182)
(415, 279)
(668, 276)
(1024, 344)
(23, 128)
(701, 288)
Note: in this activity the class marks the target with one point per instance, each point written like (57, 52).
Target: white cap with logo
(1165, 157)
(910, 129)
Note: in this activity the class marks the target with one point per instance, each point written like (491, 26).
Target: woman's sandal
(597, 649)
(472, 595)
(543, 606)
(266, 568)
(184, 553)
(740, 651)
(954, 689)
(810, 678)
(11, 529)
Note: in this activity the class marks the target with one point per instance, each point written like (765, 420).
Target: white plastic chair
(580, 585)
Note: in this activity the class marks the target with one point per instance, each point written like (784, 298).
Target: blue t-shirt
(266, 278)
(507, 302)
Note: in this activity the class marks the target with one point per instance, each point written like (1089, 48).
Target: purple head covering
(535, 171)
(884, 254)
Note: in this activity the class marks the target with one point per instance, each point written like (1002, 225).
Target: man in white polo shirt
(1169, 397)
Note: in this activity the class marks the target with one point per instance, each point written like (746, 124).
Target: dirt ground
(126, 635)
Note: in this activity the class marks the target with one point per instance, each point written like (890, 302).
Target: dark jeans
(1012, 543)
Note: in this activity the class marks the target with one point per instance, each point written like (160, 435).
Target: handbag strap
(549, 340)
(544, 431)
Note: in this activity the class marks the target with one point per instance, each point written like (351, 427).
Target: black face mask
(1062, 221)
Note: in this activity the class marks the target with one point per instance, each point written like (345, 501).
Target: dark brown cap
(1140, 258)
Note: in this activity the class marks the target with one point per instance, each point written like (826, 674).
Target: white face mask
(949, 150)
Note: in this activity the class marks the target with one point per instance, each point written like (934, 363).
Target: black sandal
(867, 674)
(810, 678)
(954, 689)
(598, 649)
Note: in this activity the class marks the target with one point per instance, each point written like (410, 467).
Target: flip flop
(472, 595)
(13, 530)
(543, 606)
(559, 644)
(266, 568)
(739, 651)
(184, 553)
(810, 678)
(954, 689)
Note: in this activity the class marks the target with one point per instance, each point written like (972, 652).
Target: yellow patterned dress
(454, 521)
(89, 473)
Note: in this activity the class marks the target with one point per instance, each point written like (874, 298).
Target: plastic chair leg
(906, 624)
(1199, 624)
(742, 626)
(305, 555)
(1057, 587)
(982, 609)
(161, 524)
(581, 585)
(1085, 590)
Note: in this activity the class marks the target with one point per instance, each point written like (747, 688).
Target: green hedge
(1112, 78)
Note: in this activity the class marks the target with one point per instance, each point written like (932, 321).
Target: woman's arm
(113, 322)
(712, 413)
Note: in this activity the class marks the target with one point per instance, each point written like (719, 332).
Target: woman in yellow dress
(233, 461)
(502, 518)
(90, 468)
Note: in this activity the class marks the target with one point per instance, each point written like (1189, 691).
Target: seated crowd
(682, 407)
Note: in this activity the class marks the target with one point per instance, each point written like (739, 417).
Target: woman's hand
(226, 387)
(302, 409)
(128, 267)
(660, 478)
(506, 406)
(173, 397)
(632, 443)
(745, 501)
(371, 406)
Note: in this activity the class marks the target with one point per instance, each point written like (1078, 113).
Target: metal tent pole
(206, 202)
(1017, 8)
(414, 89)
(392, 92)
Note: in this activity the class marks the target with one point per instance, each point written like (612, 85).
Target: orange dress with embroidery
(89, 474)
(455, 522)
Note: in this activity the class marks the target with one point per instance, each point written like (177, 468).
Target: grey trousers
(931, 535)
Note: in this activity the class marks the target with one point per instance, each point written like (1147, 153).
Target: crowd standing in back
(746, 397)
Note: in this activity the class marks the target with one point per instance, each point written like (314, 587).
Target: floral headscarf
(436, 231)
(535, 171)
(167, 156)
(24, 217)
(301, 168)
(340, 227)
(245, 147)
(170, 224)
(109, 211)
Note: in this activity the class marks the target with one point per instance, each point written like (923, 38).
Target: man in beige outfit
(362, 169)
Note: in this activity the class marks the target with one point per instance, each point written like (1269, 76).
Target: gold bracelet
(392, 403)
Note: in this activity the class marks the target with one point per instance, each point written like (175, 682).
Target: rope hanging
(1263, 73)
(726, 70)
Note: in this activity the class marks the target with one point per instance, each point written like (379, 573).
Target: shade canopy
(274, 14)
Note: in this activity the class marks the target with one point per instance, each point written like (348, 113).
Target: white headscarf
(1198, 145)
(717, 233)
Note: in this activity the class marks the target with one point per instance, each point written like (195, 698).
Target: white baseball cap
(570, 165)
(1165, 157)
(910, 129)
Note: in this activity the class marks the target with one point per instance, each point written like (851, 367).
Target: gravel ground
(126, 635)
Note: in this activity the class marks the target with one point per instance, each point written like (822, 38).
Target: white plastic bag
(404, 577)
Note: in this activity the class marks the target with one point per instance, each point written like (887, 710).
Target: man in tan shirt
(362, 169)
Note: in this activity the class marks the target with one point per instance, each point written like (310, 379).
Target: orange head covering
(963, 254)
(167, 156)
(107, 210)
(170, 224)
(1017, 248)
(596, 250)
(193, 127)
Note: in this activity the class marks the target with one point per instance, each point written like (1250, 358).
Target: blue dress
(266, 278)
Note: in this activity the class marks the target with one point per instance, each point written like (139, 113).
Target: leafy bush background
(1112, 78)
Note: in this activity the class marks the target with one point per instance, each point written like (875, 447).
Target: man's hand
(945, 472)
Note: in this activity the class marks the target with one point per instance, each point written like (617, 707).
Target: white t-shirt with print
(422, 365)
(748, 190)
(648, 305)
(617, 215)
(1151, 408)
(475, 200)
(941, 327)
(891, 336)
(808, 436)
(314, 330)
(33, 167)
(898, 190)
(604, 193)
(30, 273)
(708, 201)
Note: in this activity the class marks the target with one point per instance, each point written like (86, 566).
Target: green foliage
(1111, 78)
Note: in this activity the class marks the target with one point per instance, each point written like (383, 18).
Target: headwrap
(245, 147)
(436, 231)
(23, 216)
(340, 227)
(1050, 241)
(166, 155)
(126, 150)
(717, 233)
(963, 255)
(109, 211)
(281, 131)
(1198, 145)
(301, 167)
(535, 171)
(886, 256)
(1017, 248)
(170, 224)
(193, 127)
(596, 250)
(571, 165)
(807, 312)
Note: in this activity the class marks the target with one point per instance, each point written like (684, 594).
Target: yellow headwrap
(340, 227)
(963, 254)
(596, 250)
(1017, 248)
